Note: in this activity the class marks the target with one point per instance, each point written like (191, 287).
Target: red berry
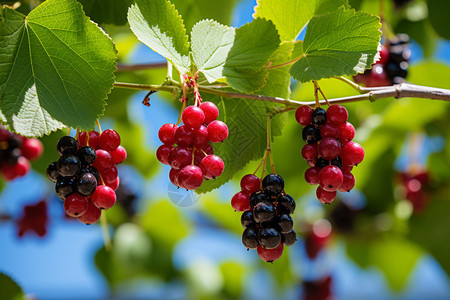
(211, 111)
(180, 157)
(312, 175)
(250, 183)
(184, 136)
(324, 196)
(91, 216)
(119, 155)
(173, 176)
(241, 201)
(352, 154)
(303, 115)
(212, 166)
(270, 255)
(200, 138)
(346, 168)
(348, 182)
(109, 140)
(104, 197)
(103, 161)
(384, 55)
(329, 148)
(337, 114)
(190, 177)
(115, 184)
(19, 169)
(109, 175)
(208, 149)
(329, 130)
(330, 178)
(93, 139)
(309, 152)
(217, 131)
(346, 132)
(162, 154)
(193, 117)
(75, 205)
(377, 77)
(166, 133)
(31, 148)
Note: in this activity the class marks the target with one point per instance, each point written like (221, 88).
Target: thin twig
(139, 67)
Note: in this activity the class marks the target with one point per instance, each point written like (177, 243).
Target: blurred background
(389, 238)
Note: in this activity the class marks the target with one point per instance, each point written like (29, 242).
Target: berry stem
(316, 95)
(181, 112)
(105, 231)
(169, 71)
(269, 149)
(321, 92)
(261, 163)
(77, 134)
(99, 127)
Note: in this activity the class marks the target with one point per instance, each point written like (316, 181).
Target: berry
(103, 161)
(269, 238)
(250, 238)
(179, 157)
(91, 216)
(67, 145)
(200, 136)
(289, 238)
(64, 187)
(217, 131)
(162, 154)
(119, 155)
(352, 154)
(109, 175)
(173, 176)
(286, 223)
(337, 162)
(321, 163)
(184, 136)
(330, 178)
(93, 139)
(324, 196)
(193, 117)
(270, 255)
(337, 114)
(384, 55)
(86, 155)
(86, 184)
(329, 148)
(68, 165)
(303, 115)
(75, 205)
(250, 183)
(104, 197)
(190, 177)
(31, 148)
(109, 140)
(377, 77)
(114, 185)
(309, 152)
(346, 132)
(52, 172)
(319, 116)
(259, 197)
(247, 219)
(210, 110)
(241, 201)
(212, 166)
(166, 133)
(263, 212)
(348, 182)
(311, 134)
(273, 184)
(312, 175)
(286, 204)
(330, 130)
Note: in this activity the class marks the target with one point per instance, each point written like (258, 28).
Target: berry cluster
(392, 67)
(85, 174)
(187, 148)
(414, 189)
(329, 151)
(319, 289)
(266, 215)
(34, 219)
(15, 153)
(317, 238)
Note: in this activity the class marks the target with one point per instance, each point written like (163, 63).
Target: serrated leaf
(291, 16)
(58, 69)
(157, 24)
(108, 12)
(211, 42)
(246, 66)
(343, 42)
(9, 289)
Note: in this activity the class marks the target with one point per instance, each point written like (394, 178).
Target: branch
(149, 87)
(138, 67)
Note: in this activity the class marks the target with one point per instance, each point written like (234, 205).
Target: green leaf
(246, 66)
(343, 42)
(9, 289)
(211, 42)
(57, 69)
(108, 12)
(291, 16)
(157, 24)
(438, 12)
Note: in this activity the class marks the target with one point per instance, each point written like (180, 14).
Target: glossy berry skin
(114, 185)
(289, 238)
(184, 136)
(91, 216)
(346, 132)
(269, 238)
(348, 182)
(212, 166)
(250, 238)
(193, 117)
(329, 130)
(263, 212)
(166, 133)
(210, 110)
(319, 116)
(273, 184)
(337, 114)
(109, 175)
(247, 219)
(86, 184)
(329, 148)
(76, 205)
(179, 157)
(330, 178)
(217, 131)
(103, 161)
(312, 175)
(241, 201)
(86, 155)
(190, 177)
(270, 255)
(324, 196)
(286, 204)
(93, 139)
(68, 165)
(303, 115)
(52, 172)
(173, 176)
(104, 197)
(309, 152)
(162, 154)
(119, 155)
(250, 183)
(260, 197)
(109, 140)
(286, 223)
(31, 148)
(64, 187)
(311, 134)
(377, 77)
(200, 136)
(67, 145)
(352, 154)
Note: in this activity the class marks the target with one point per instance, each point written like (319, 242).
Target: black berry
(273, 184)
(319, 116)
(250, 237)
(269, 238)
(67, 145)
(68, 165)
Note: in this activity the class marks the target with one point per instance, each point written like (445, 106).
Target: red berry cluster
(329, 151)
(392, 67)
(86, 175)
(317, 238)
(319, 289)
(15, 153)
(187, 148)
(34, 219)
(266, 215)
(414, 189)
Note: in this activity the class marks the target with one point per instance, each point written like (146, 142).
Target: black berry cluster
(15, 153)
(187, 148)
(85, 174)
(392, 67)
(266, 215)
(329, 151)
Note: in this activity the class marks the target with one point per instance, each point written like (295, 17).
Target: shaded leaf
(108, 12)
(9, 289)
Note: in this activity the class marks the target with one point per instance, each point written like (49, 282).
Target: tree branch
(138, 67)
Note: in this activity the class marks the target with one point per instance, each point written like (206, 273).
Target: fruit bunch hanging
(187, 149)
(15, 153)
(329, 149)
(85, 174)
